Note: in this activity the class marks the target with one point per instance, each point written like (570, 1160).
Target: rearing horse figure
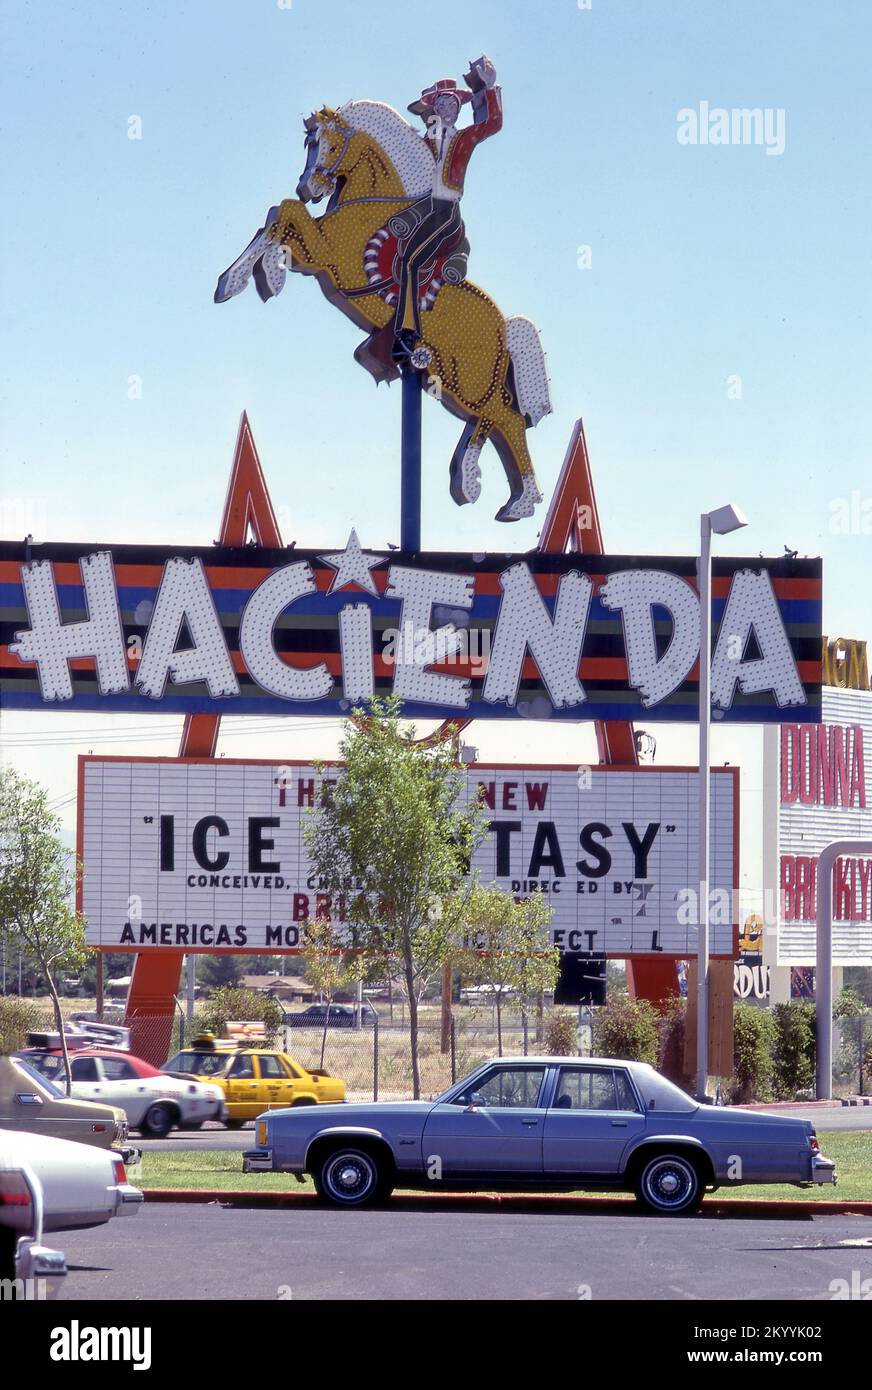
(486, 369)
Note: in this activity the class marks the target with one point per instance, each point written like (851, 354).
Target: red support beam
(155, 977)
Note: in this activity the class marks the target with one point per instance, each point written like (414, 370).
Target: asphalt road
(216, 1137)
(201, 1252)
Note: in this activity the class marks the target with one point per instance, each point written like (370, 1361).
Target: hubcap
(669, 1183)
(349, 1176)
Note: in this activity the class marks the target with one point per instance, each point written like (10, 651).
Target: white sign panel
(824, 796)
(210, 855)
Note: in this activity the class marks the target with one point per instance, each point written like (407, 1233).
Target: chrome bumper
(128, 1199)
(257, 1161)
(823, 1170)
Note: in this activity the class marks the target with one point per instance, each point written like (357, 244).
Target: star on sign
(352, 566)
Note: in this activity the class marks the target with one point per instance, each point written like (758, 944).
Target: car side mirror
(28, 1098)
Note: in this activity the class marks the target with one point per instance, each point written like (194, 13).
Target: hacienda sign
(258, 631)
(209, 854)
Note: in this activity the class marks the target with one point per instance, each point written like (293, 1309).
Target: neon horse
(488, 370)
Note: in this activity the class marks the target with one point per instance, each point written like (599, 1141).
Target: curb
(410, 1201)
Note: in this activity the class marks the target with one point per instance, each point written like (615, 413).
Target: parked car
(340, 1016)
(254, 1079)
(153, 1101)
(82, 1186)
(37, 1268)
(30, 1102)
(546, 1124)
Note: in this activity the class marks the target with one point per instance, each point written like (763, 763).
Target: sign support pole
(410, 444)
(823, 976)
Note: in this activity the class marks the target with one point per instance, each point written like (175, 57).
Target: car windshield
(200, 1063)
(44, 1081)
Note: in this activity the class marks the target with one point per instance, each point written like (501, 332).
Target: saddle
(383, 262)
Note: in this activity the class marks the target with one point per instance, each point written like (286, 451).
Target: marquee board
(204, 855)
(537, 636)
(823, 795)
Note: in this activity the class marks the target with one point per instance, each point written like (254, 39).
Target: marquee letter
(184, 597)
(355, 641)
(52, 644)
(419, 590)
(555, 644)
(262, 611)
(635, 592)
(753, 607)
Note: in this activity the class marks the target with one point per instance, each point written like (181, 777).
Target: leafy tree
(37, 888)
(508, 948)
(753, 1040)
(626, 1028)
(793, 1051)
(393, 839)
(561, 1033)
(329, 966)
(220, 971)
(229, 1004)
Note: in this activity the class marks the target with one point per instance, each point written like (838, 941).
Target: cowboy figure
(440, 107)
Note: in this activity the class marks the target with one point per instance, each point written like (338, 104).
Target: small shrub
(18, 1017)
(235, 1004)
(793, 1051)
(753, 1042)
(561, 1039)
(626, 1028)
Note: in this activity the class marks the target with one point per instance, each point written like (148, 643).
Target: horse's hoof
(522, 504)
(465, 483)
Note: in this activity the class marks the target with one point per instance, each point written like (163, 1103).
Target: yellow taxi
(253, 1079)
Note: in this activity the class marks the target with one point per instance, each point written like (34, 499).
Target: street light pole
(721, 522)
(704, 577)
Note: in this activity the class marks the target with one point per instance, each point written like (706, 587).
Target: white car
(35, 1268)
(152, 1100)
(81, 1185)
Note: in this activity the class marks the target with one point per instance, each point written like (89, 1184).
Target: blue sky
(707, 262)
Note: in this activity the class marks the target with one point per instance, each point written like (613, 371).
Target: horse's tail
(529, 370)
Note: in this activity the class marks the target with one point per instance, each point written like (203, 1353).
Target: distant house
(282, 987)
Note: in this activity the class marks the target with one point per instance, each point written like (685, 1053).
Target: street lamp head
(725, 519)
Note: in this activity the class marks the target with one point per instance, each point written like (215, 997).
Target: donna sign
(258, 631)
(209, 855)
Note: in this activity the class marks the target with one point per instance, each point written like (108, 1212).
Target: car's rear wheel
(157, 1121)
(351, 1177)
(669, 1184)
(236, 1124)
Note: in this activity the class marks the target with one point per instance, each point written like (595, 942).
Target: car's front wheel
(669, 1185)
(351, 1177)
(157, 1121)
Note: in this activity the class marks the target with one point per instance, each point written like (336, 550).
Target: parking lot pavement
(202, 1252)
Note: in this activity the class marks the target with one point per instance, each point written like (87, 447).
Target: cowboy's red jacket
(487, 114)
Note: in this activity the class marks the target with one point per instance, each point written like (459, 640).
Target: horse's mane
(402, 144)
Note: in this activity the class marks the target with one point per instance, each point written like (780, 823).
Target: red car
(153, 1101)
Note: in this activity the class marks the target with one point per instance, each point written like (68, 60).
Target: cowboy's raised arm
(487, 99)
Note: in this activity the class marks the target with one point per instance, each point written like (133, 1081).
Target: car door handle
(529, 1123)
(619, 1124)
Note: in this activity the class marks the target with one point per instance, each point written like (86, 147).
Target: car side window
(585, 1088)
(626, 1096)
(84, 1069)
(270, 1066)
(508, 1088)
(241, 1068)
(118, 1069)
